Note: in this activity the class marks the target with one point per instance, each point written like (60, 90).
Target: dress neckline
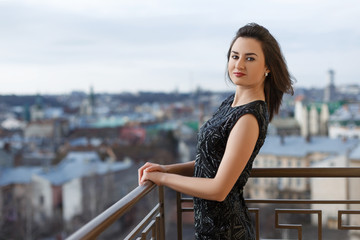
(231, 100)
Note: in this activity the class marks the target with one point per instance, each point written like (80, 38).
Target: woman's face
(246, 64)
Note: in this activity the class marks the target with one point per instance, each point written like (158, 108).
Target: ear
(267, 70)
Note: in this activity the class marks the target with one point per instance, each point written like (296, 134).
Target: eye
(250, 59)
(235, 57)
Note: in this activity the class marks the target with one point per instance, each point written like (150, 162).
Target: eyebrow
(246, 54)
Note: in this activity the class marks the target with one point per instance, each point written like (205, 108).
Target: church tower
(330, 92)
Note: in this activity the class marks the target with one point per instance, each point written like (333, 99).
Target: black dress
(228, 219)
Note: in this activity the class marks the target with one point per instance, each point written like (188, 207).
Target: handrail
(97, 225)
(305, 172)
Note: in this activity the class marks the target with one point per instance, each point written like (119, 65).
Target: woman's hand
(151, 171)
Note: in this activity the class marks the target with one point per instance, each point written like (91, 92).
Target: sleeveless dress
(229, 219)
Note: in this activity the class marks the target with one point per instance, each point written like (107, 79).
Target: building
(53, 129)
(293, 151)
(11, 123)
(7, 156)
(69, 194)
(15, 204)
(297, 152)
(321, 188)
(346, 189)
(284, 127)
(87, 107)
(78, 188)
(354, 183)
(345, 122)
(37, 110)
(312, 117)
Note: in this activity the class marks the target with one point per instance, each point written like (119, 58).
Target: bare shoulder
(247, 121)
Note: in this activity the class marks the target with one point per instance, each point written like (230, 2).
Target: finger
(140, 174)
(144, 166)
(152, 169)
(143, 179)
(141, 171)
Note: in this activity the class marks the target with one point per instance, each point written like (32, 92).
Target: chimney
(7, 147)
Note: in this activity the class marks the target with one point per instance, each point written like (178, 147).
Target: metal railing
(154, 222)
(288, 173)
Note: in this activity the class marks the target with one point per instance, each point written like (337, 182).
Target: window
(299, 162)
(298, 181)
(271, 163)
(280, 183)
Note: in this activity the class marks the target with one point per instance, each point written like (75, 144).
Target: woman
(231, 139)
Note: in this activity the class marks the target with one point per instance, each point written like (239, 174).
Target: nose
(240, 63)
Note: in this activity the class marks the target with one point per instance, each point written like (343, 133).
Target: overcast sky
(161, 45)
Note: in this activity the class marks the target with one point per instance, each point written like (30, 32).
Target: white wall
(72, 199)
(184, 152)
(41, 198)
(324, 119)
(354, 193)
(39, 130)
(340, 131)
(314, 121)
(329, 189)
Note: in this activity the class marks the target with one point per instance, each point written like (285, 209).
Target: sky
(59, 46)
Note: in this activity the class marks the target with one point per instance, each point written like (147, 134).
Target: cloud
(163, 44)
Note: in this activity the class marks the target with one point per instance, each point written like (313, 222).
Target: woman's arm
(184, 169)
(239, 147)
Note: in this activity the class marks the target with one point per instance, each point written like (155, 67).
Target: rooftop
(18, 175)
(75, 165)
(80, 164)
(355, 154)
(298, 147)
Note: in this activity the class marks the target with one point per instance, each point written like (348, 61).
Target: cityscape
(66, 158)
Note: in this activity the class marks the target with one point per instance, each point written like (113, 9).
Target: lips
(239, 74)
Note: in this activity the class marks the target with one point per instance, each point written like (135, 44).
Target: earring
(266, 74)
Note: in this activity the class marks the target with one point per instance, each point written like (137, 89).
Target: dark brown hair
(278, 80)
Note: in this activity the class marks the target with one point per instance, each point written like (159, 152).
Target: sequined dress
(228, 219)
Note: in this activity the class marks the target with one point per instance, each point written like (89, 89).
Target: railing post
(162, 212)
(179, 215)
